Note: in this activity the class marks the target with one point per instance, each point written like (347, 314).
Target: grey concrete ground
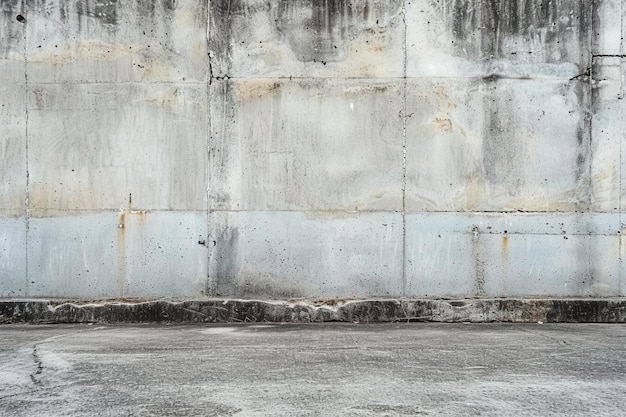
(315, 369)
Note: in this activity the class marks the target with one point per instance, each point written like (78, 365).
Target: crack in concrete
(19, 394)
(608, 55)
(34, 376)
(37, 373)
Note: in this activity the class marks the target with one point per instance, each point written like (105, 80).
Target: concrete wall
(312, 148)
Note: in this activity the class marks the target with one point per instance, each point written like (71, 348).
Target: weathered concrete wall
(312, 148)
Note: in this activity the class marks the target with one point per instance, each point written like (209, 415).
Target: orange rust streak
(121, 255)
(505, 245)
(141, 216)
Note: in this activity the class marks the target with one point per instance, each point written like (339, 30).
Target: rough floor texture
(313, 370)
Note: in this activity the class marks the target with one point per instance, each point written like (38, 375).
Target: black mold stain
(491, 29)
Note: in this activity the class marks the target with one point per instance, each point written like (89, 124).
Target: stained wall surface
(312, 148)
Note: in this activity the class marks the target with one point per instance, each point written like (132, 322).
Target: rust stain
(322, 215)
(505, 244)
(622, 242)
(441, 123)
(556, 203)
(171, 99)
(124, 221)
(479, 267)
(370, 89)
(251, 90)
(91, 50)
(141, 216)
(443, 98)
(121, 255)
(474, 193)
(39, 98)
(148, 62)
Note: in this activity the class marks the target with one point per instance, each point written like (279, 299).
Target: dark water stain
(104, 11)
(221, 16)
(63, 11)
(170, 4)
(224, 253)
(224, 116)
(107, 12)
(484, 29)
(504, 146)
(264, 287)
(578, 96)
(12, 6)
(318, 30)
(11, 32)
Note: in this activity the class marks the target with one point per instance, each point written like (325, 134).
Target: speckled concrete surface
(313, 370)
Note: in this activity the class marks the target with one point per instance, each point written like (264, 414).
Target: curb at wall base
(608, 310)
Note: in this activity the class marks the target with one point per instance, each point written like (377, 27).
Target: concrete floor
(315, 369)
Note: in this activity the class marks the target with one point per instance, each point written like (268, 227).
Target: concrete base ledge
(610, 310)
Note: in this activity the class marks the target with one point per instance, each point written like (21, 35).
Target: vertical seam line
(404, 164)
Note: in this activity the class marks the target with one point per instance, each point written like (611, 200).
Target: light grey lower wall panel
(306, 254)
(74, 255)
(513, 254)
(166, 254)
(117, 254)
(12, 256)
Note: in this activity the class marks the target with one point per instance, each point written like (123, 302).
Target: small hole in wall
(20, 18)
